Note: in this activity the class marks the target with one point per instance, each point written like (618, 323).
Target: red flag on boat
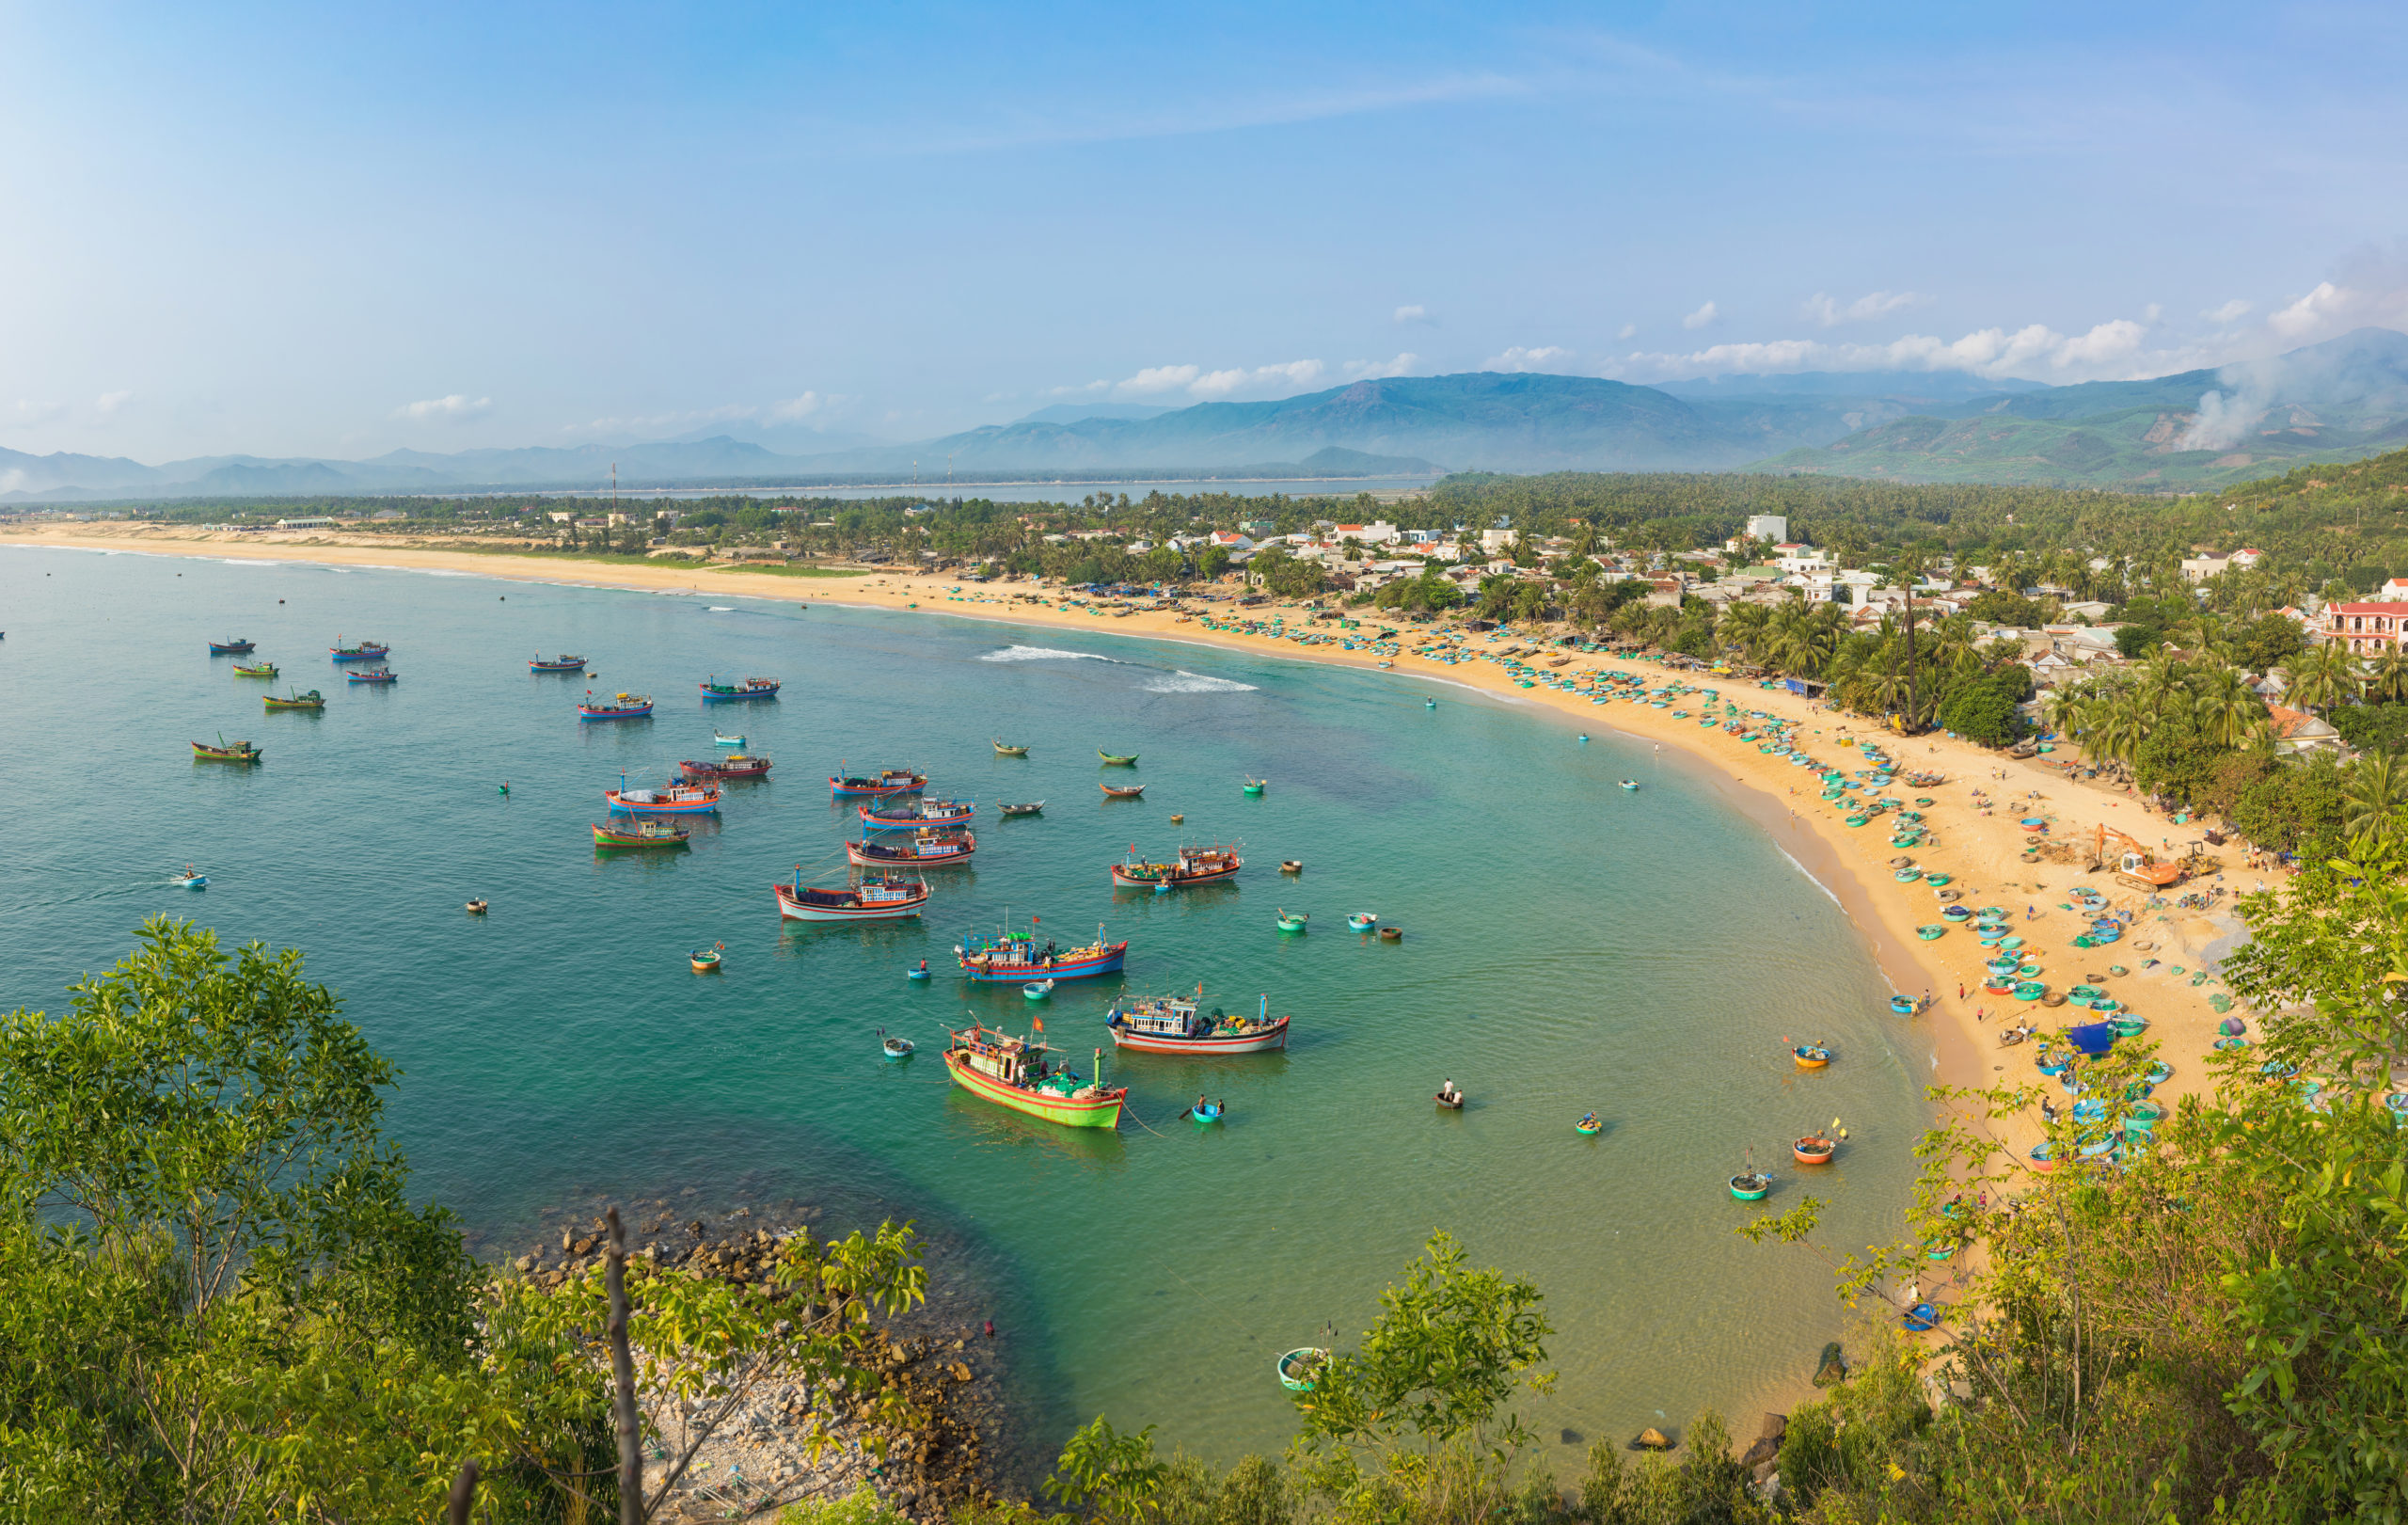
(1040, 1023)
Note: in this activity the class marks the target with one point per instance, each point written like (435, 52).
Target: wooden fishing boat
(910, 816)
(1193, 866)
(1814, 1149)
(1003, 751)
(1391, 934)
(1630, 784)
(1812, 1056)
(868, 900)
(1033, 807)
(893, 1048)
(641, 833)
(1751, 1186)
(1113, 760)
(929, 848)
(1452, 1102)
(716, 693)
(674, 800)
(1022, 1074)
(1015, 957)
(874, 786)
(735, 765)
(718, 739)
(475, 908)
(562, 663)
(1131, 792)
(312, 700)
(617, 706)
(370, 675)
(260, 670)
(1300, 1369)
(1362, 921)
(705, 959)
(236, 647)
(367, 651)
(1255, 785)
(225, 750)
(1174, 1024)
(1293, 922)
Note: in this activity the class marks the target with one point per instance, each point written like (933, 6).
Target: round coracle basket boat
(1299, 1369)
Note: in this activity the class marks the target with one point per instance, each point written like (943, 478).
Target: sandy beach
(1982, 852)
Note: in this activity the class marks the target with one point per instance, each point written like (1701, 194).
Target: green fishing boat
(262, 669)
(312, 700)
(1112, 761)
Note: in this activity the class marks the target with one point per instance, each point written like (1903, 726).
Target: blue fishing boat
(236, 647)
(562, 663)
(367, 651)
(1019, 958)
(716, 693)
(370, 675)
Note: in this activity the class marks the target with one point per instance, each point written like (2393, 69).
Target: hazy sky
(342, 228)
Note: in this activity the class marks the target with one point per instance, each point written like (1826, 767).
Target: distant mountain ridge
(2339, 399)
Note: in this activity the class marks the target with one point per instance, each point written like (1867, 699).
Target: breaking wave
(1043, 654)
(1183, 681)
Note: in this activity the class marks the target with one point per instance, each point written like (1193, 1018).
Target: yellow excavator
(2133, 865)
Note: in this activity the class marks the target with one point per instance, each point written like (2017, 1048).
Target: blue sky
(342, 230)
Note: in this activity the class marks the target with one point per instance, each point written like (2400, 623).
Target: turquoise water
(1567, 946)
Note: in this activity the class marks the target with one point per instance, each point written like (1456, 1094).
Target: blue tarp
(2092, 1037)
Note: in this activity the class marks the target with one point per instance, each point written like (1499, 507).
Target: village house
(2367, 627)
(2296, 731)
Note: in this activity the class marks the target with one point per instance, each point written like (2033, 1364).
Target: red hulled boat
(878, 785)
(884, 899)
(1174, 1025)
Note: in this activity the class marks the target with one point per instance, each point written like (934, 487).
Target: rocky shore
(759, 1459)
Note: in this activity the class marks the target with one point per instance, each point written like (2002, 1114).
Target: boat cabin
(1170, 1018)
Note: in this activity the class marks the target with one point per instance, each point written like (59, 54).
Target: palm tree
(2388, 678)
(1744, 626)
(2317, 679)
(2373, 797)
(2228, 712)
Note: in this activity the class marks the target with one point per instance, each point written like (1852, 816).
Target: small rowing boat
(868, 900)
(1293, 923)
(736, 741)
(1301, 1368)
(1115, 760)
(1812, 1056)
(236, 647)
(1177, 1025)
(641, 833)
(262, 669)
(1751, 1186)
(1193, 866)
(1021, 1074)
(562, 663)
(225, 750)
(893, 1048)
(705, 959)
(1037, 989)
(929, 848)
(1588, 1126)
(1813, 1148)
(878, 785)
(1003, 751)
(1254, 787)
(312, 700)
(1630, 784)
(674, 800)
(367, 651)
(1451, 1100)
(1032, 808)
(191, 878)
(617, 706)
(370, 675)
(1131, 792)
(716, 693)
(1362, 921)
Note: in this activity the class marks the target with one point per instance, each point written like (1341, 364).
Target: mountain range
(2339, 399)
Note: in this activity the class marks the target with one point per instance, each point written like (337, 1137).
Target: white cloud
(1278, 380)
(1161, 378)
(796, 409)
(2324, 307)
(1701, 317)
(1215, 384)
(791, 410)
(1522, 358)
(107, 403)
(2150, 314)
(1373, 369)
(2109, 350)
(452, 409)
(1628, 329)
(2228, 313)
(1830, 312)
(1416, 313)
(1088, 390)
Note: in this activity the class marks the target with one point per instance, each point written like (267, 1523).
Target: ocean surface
(1567, 946)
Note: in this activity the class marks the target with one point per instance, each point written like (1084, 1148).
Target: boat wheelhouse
(927, 848)
(1193, 866)
(715, 692)
(882, 898)
(874, 786)
(1017, 958)
(1023, 1075)
(1176, 1024)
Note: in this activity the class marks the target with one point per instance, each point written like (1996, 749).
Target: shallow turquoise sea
(1568, 945)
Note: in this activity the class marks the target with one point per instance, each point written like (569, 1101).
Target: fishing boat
(225, 750)
(370, 675)
(191, 878)
(1205, 1112)
(1130, 792)
(705, 959)
(312, 700)
(910, 816)
(866, 899)
(260, 670)
(367, 651)
(721, 739)
(674, 799)
(1003, 751)
(1814, 1149)
(641, 834)
(1300, 1369)
(617, 706)
(716, 693)
(1193, 866)
(1037, 989)
(1015, 957)
(893, 1048)
(1589, 1125)
(1630, 784)
(1032, 808)
(236, 647)
(874, 786)
(562, 663)
(1178, 1025)
(475, 908)
(929, 848)
(1293, 923)
(1451, 1100)
(1812, 1056)
(735, 765)
(1362, 921)
(1254, 787)
(1022, 1074)
(1751, 1186)
(1113, 760)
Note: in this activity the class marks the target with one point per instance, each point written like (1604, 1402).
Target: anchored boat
(735, 765)
(910, 816)
(225, 750)
(927, 848)
(1022, 1074)
(866, 899)
(367, 651)
(1174, 1025)
(562, 663)
(1015, 957)
(312, 700)
(236, 647)
(1003, 751)
(371, 675)
(873, 786)
(641, 834)
(1113, 760)
(1131, 792)
(1193, 866)
(716, 693)
(1031, 808)
(617, 706)
(676, 799)
(258, 670)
